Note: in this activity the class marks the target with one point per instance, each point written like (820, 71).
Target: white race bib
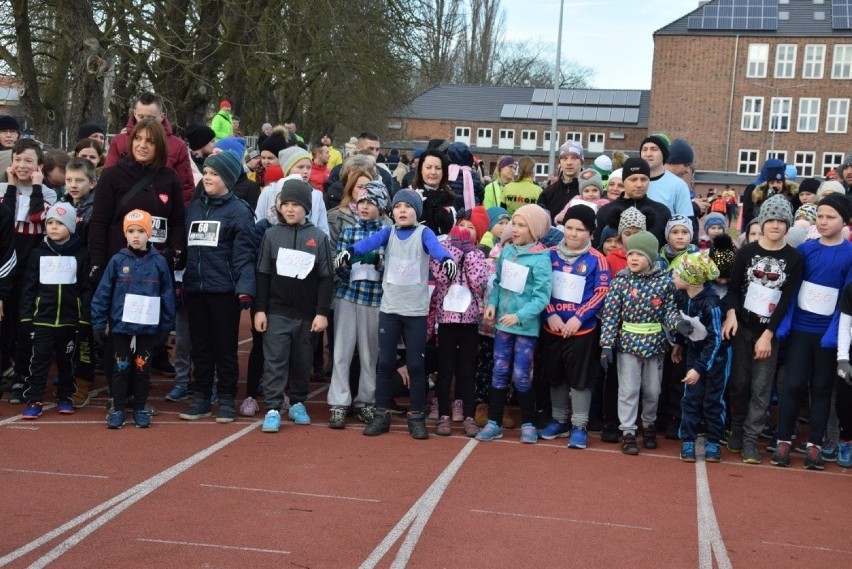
(818, 299)
(293, 263)
(699, 331)
(513, 276)
(56, 270)
(140, 309)
(22, 208)
(761, 300)
(403, 272)
(159, 229)
(458, 299)
(364, 272)
(204, 234)
(568, 287)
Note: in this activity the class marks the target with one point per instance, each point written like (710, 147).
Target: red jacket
(319, 174)
(178, 159)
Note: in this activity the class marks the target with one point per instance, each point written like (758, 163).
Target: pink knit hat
(537, 218)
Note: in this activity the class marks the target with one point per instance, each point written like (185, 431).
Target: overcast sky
(613, 37)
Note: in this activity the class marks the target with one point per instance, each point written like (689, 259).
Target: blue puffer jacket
(220, 252)
(130, 273)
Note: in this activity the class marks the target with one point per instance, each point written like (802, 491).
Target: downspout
(731, 101)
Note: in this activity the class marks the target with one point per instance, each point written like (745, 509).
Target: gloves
(684, 328)
(178, 260)
(99, 337)
(844, 370)
(343, 259)
(449, 268)
(606, 358)
(245, 301)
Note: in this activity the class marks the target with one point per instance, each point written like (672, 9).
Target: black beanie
(840, 203)
(198, 135)
(275, 144)
(810, 185)
(88, 129)
(635, 165)
(9, 123)
(662, 143)
(582, 213)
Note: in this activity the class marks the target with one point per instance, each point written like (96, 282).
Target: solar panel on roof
(841, 14)
(605, 98)
(736, 15)
(619, 98)
(539, 96)
(631, 115)
(575, 113)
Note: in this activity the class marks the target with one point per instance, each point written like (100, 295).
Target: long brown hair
(158, 136)
(351, 179)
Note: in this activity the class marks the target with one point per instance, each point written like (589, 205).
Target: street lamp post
(775, 90)
(557, 72)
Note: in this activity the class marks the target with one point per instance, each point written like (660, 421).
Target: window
(831, 160)
(808, 115)
(804, 162)
(785, 61)
(813, 62)
(484, 137)
(779, 154)
(545, 142)
(596, 142)
(528, 139)
(837, 116)
(747, 163)
(779, 114)
(507, 138)
(542, 169)
(752, 113)
(463, 134)
(758, 55)
(842, 63)
(575, 136)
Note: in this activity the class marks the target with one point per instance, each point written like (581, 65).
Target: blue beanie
(495, 214)
(227, 165)
(715, 218)
(235, 144)
(680, 152)
(410, 197)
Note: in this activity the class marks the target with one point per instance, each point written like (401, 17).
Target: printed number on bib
(513, 276)
(293, 263)
(364, 272)
(761, 300)
(458, 299)
(159, 229)
(403, 272)
(57, 270)
(818, 299)
(568, 287)
(204, 234)
(140, 309)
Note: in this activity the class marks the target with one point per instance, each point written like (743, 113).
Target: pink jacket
(473, 274)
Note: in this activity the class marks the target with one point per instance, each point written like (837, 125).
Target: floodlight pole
(557, 72)
(776, 92)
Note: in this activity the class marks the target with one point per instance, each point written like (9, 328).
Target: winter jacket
(220, 252)
(656, 214)
(365, 292)
(517, 194)
(617, 260)
(436, 216)
(668, 261)
(162, 197)
(84, 214)
(459, 154)
(56, 305)
(178, 158)
(244, 189)
(529, 304)
(556, 196)
(472, 274)
(707, 308)
(143, 274)
(338, 219)
(8, 258)
(593, 267)
(222, 125)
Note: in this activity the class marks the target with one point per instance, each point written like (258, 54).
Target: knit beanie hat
(65, 214)
(198, 135)
(840, 203)
(274, 144)
(603, 166)
(9, 123)
(495, 214)
(410, 197)
(582, 213)
(679, 221)
(809, 185)
(618, 173)
(376, 193)
(776, 207)
(505, 161)
(227, 165)
(635, 165)
(723, 252)
(298, 191)
(775, 172)
(645, 243)
(479, 219)
(536, 217)
(225, 104)
(715, 218)
(662, 142)
(590, 177)
(88, 129)
(234, 144)
(571, 147)
(806, 211)
(141, 218)
(828, 187)
(552, 238)
(631, 217)
(288, 157)
(680, 152)
(272, 174)
(696, 269)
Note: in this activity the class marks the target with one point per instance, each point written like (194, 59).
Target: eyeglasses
(764, 275)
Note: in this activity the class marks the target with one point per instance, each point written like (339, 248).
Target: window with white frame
(841, 67)
(542, 169)
(837, 116)
(752, 118)
(596, 142)
(507, 138)
(575, 136)
(758, 55)
(831, 160)
(813, 62)
(484, 137)
(779, 154)
(747, 163)
(545, 139)
(463, 134)
(779, 114)
(528, 139)
(804, 162)
(808, 115)
(785, 61)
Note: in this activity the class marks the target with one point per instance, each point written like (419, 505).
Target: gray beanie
(298, 191)
(65, 214)
(631, 217)
(776, 207)
(410, 197)
(679, 221)
(590, 178)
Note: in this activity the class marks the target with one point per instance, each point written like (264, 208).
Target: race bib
(159, 229)
(57, 270)
(403, 272)
(761, 300)
(364, 272)
(140, 309)
(458, 299)
(818, 299)
(513, 277)
(204, 234)
(568, 287)
(22, 207)
(179, 275)
(293, 263)
(699, 331)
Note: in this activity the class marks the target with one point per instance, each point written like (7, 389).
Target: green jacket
(221, 124)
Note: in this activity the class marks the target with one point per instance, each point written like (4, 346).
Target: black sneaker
(227, 412)
(649, 437)
(628, 444)
(781, 456)
(610, 433)
(380, 424)
(735, 441)
(813, 458)
(17, 393)
(198, 409)
(417, 426)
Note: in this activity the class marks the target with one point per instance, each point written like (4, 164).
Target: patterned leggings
(513, 359)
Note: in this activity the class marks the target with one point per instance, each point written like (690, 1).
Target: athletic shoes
(433, 410)
(198, 409)
(687, 451)
(380, 424)
(490, 432)
(83, 395)
(17, 394)
(579, 438)
(649, 437)
(271, 422)
(65, 407)
(365, 414)
(417, 426)
(226, 412)
(337, 418)
(458, 412)
(554, 430)
(610, 434)
(829, 451)
(735, 441)
(529, 434)
(299, 415)
(249, 407)
(813, 458)
(470, 428)
(141, 419)
(750, 453)
(32, 411)
(115, 420)
(712, 452)
(844, 454)
(177, 393)
(442, 427)
(781, 456)
(628, 444)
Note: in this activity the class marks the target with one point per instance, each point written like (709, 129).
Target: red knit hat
(225, 104)
(479, 219)
(273, 174)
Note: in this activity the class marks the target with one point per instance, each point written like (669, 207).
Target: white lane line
(115, 506)
(308, 494)
(710, 540)
(16, 418)
(416, 517)
(557, 519)
(21, 471)
(814, 547)
(214, 545)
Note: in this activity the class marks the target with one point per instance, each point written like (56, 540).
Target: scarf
(467, 183)
(570, 256)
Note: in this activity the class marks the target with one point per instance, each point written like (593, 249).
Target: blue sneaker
(712, 452)
(529, 434)
(178, 393)
(829, 451)
(579, 438)
(115, 420)
(687, 451)
(141, 419)
(32, 411)
(490, 432)
(272, 422)
(555, 430)
(65, 407)
(299, 415)
(844, 454)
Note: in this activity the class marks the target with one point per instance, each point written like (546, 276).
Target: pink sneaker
(249, 407)
(458, 413)
(433, 413)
